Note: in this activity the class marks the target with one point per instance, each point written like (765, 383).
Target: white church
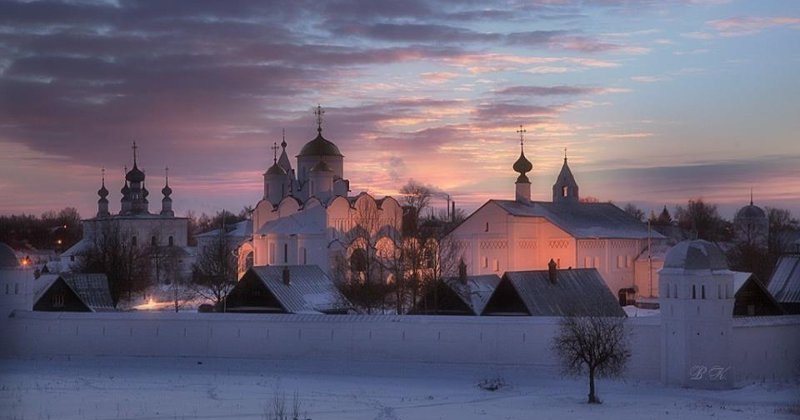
(520, 234)
(307, 215)
(152, 231)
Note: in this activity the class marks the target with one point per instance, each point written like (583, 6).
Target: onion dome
(125, 191)
(751, 212)
(8, 259)
(166, 190)
(145, 193)
(522, 165)
(135, 175)
(321, 166)
(103, 192)
(320, 147)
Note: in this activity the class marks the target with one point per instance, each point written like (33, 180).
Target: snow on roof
(583, 220)
(739, 279)
(311, 220)
(784, 284)
(579, 292)
(239, 229)
(475, 291)
(91, 288)
(309, 289)
(696, 254)
(77, 249)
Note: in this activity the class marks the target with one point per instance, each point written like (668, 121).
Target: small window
(72, 258)
(16, 288)
(597, 262)
(719, 291)
(305, 256)
(558, 262)
(6, 288)
(133, 240)
(668, 291)
(171, 241)
(565, 191)
(485, 262)
(487, 227)
(58, 300)
(675, 291)
(587, 262)
(496, 265)
(702, 292)
(620, 261)
(153, 241)
(628, 261)
(285, 253)
(694, 292)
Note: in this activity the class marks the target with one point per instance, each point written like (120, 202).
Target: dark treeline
(52, 230)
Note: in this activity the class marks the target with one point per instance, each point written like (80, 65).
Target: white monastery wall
(763, 349)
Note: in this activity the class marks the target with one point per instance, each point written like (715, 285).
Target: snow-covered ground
(187, 388)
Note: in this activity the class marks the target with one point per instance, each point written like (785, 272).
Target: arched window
(171, 241)
(564, 191)
(702, 292)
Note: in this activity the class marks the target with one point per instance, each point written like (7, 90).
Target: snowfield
(187, 388)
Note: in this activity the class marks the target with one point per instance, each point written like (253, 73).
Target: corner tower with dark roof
(565, 190)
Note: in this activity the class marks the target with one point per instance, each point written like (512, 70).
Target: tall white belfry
(696, 298)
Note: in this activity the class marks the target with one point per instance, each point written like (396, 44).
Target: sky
(656, 101)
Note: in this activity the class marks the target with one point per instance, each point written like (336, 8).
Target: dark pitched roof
(475, 291)
(583, 220)
(91, 288)
(784, 284)
(578, 292)
(309, 289)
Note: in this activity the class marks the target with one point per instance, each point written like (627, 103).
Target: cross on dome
(319, 112)
(521, 133)
(274, 152)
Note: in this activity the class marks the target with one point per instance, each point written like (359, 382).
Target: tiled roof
(578, 292)
(785, 282)
(475, 291)
(583, 220)
(309, 289)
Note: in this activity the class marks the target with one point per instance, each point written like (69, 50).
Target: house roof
(583, 220)
(475, 291)
(309, 289)
(579, 292)
(91, 288)
(785, 282)
(239, 229)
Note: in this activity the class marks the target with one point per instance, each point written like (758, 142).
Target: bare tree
(703, 220)
(214, 272)
(593, 344)
(114, 252)
(634, 211)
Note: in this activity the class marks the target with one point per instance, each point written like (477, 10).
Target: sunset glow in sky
(656, 101)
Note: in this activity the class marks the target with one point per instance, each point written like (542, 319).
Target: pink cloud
(747, 25)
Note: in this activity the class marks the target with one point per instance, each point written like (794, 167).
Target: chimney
(552, 271)
(462, 272)
(286, 275)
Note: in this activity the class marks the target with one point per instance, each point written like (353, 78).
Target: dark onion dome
(8, 259)
(751, 212)
(103, 192)
(166, 190)
(135, 175)
(275, 169)
(321, 166)
(522, 165)
(696, 255)
(125, 190)
(320, 147)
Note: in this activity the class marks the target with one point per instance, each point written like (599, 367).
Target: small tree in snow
(593, 344)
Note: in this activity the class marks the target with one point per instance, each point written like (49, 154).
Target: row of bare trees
(383, 269)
